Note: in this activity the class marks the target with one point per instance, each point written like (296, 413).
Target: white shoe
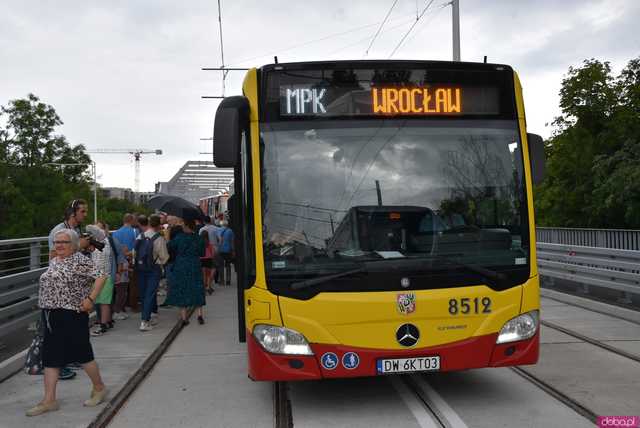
(154, 319)
(120, 316)
(145, 326)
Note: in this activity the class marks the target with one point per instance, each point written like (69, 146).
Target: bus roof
(452, 65)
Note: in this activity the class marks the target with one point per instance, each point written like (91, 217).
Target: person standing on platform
(66, 295)
(162, 254)
(219, 219)
(227, 251)
(206, 261)
(150, 255)
(185, 276)
(102, 259)
(118, 266)
(212, 231)
(164, 231)
(74, 215)
(127, 237)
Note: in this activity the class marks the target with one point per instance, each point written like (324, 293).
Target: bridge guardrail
(623, 239)
(22, 261)
(602, 267)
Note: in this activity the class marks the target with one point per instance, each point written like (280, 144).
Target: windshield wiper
(489, 275)
(320, 279)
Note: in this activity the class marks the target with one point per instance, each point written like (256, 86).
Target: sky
(127, 74)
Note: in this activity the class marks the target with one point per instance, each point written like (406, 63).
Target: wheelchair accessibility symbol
(329, 360)
(350, 360)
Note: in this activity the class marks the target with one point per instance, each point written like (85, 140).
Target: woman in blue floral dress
(186, 288)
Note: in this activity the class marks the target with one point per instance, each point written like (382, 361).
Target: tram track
(557, 394)
(435, 411)
(592, 341)
(282, 415)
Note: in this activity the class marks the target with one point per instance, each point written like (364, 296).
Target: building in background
(196, 180)
(140, 198)
(118, 193)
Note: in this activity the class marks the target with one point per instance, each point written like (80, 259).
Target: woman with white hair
(67, 292)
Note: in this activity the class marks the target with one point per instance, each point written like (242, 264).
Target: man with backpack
(150, 255)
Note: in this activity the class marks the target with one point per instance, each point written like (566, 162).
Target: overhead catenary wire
(350, 45)
(321, 39)
(375, 36)
(431, 18)
(411, 28)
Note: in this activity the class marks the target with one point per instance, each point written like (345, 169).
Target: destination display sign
(333, 93)
(428, 100)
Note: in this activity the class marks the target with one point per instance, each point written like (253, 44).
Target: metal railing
(591, 266)
(22, 261)
(23, 254)
(604, 238)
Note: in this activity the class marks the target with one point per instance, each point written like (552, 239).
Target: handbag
(33, 362)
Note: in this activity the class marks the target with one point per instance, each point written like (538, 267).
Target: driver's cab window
(431, 223)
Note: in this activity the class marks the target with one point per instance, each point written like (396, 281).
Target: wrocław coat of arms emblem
(406, 303)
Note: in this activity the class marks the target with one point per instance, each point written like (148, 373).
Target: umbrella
(174, 205)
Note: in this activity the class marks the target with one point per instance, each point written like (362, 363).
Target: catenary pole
(455, 15)
(224, 73)
(95, 193)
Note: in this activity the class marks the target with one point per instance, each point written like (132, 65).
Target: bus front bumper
(475, 352)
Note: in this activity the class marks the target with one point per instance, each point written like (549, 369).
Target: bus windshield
(338, 193)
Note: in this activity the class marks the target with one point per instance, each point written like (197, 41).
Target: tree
(593, 157)
(33, 195)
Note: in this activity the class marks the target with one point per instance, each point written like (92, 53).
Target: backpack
(112, 244)
(144, 260)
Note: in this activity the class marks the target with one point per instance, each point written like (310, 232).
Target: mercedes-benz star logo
(407, 335)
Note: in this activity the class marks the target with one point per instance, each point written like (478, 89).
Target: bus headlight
(519, 328)
(281, 340)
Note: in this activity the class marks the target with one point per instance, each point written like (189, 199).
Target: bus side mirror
(232, 117)
(536, 157)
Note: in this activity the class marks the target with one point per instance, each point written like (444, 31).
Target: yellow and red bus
(383, 216)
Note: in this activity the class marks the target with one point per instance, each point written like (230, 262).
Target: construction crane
(136, 153)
